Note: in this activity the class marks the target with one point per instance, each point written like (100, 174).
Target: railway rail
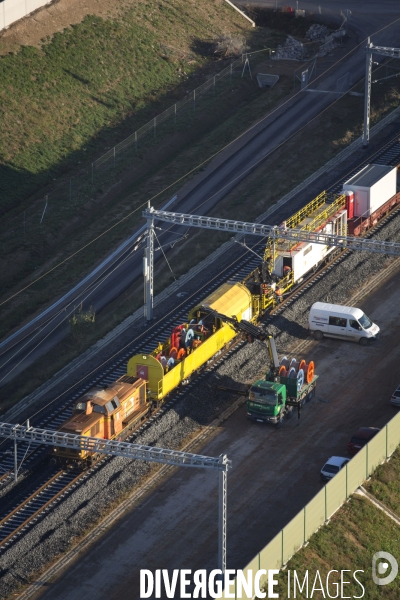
(61, 483)
(30, 509)
(37, 501)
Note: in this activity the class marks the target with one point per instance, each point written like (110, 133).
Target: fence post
(387, 441)
(45, 207)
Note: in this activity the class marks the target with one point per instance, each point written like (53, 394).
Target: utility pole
(367, 93)
(383, 51)
(222, 516)
(15, 459)
(148, 266)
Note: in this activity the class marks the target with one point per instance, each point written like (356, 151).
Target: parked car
(395, 399)
(333, 466)
(360, 438)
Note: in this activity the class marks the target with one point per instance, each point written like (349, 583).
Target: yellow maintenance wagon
(192, 344)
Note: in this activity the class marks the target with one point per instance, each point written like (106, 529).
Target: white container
(342, 322)
(306, 255)
(372, 186)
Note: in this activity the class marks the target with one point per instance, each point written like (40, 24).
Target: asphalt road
(275, 473)
(111, 278)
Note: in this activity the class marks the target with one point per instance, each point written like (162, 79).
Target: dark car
(360, 438)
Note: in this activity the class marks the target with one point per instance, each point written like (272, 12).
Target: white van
(343, 322)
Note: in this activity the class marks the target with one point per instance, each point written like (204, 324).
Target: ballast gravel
(197, 405)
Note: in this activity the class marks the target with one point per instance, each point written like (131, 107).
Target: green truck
(270, 401)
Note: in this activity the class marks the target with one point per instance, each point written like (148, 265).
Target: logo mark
(381, 568)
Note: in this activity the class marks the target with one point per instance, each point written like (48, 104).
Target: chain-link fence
(69, 195)
(180, 110)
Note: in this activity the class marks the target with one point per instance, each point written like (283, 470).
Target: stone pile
(292, 50)
(317, 33)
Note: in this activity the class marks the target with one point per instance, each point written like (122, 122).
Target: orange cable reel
(310, 371)
(181, 354)
(173, 353)
(303, 365)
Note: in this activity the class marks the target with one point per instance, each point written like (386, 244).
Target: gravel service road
(275, 472)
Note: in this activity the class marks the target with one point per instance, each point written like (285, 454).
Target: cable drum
(300, 379)
(285, 363)
(310, 372)
(282, 371)
(189, 338)
(173, 352)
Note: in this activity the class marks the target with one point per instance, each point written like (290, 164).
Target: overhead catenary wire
(73, 300)
(90, 291)
(201, 204)
(43, 324)
(166, 259)
(132, 341)
(137, 337)
(195, 209)
(188, 172)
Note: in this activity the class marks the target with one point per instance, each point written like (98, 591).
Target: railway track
(31, 508)
(56, 487)
(61, 483)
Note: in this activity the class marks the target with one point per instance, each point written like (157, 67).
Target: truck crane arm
(251, 333)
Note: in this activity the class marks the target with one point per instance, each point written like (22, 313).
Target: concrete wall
(13, 10)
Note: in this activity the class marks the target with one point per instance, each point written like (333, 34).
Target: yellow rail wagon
(193, 343)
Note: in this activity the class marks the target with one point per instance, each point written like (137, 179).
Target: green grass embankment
(87, 86)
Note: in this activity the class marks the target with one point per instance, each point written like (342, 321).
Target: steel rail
(34, 496)
(392, 149)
